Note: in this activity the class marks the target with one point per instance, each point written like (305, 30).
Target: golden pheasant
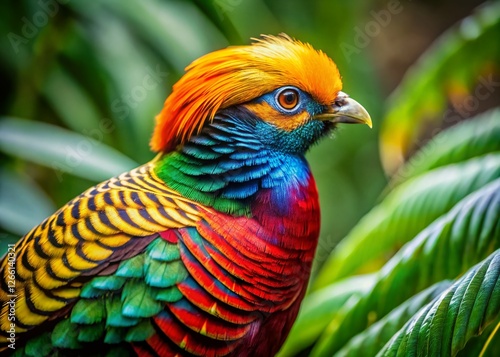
(207, 249)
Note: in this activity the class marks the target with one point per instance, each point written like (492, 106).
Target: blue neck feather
(230, 161)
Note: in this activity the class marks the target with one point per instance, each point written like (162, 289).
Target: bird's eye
(288, 99)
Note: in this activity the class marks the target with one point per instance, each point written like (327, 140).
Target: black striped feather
(89, 236)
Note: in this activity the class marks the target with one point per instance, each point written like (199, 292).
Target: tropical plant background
(408, 262)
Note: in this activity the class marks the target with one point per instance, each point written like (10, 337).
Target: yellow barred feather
(82, 238)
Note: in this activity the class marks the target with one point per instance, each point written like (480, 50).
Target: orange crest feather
(238, 74)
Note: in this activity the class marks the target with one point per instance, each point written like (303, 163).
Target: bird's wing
(132, 263)
(81, 251)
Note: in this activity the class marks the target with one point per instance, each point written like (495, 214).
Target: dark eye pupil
(289, 98)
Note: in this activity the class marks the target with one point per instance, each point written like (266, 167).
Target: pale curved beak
(347, 111)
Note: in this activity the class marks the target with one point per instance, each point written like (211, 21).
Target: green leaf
(461, 142)
(445, 249)
(488, 340)
(62, 150)
(371, 340)
(458, 61)
(443, 327)
(405, 211)
(319, 308)
(23, 204)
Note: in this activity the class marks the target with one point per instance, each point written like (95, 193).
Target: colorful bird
(206, 250)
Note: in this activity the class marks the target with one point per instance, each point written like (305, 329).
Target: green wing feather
(99, 260)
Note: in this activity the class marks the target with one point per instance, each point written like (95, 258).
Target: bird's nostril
(339, 102)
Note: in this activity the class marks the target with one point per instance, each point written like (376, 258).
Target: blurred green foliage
(82, 82)
(459, 69)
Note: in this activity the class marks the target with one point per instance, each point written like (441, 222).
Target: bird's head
(290, 92)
